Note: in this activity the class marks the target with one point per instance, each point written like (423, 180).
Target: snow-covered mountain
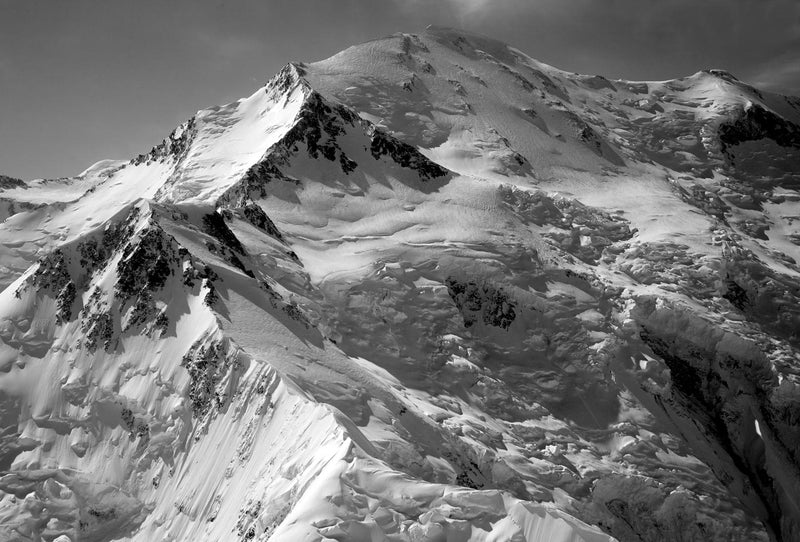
(429, 289)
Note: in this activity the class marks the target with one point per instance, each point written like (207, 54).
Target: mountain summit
(427, 289)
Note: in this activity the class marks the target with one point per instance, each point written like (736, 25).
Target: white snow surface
(429, 289)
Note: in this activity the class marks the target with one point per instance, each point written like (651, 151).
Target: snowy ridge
(427, 289)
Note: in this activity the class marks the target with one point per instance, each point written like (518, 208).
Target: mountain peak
(291, 75)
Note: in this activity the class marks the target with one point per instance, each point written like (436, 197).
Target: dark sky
(83, 80)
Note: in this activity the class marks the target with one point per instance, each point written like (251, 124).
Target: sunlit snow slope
(429, 289)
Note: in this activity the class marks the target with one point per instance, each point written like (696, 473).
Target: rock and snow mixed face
(427, 289)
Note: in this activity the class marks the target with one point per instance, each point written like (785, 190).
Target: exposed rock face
(214, 225)
(727, 385)
(317, 126)
(10, 182)
(208, 366)
(258, 218)
(755, 122)
(767, 298)
(173, 146)
(405, 155)
(481, 303)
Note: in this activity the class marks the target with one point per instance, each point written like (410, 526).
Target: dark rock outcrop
(381, 144)
(174, 145)
(10, 182)
(724, 387)
(481, 303)
(754, 123)
(258, 218)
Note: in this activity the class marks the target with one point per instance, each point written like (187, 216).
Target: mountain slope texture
(429, 289)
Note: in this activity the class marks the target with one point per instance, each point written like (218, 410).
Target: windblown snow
(429, 289)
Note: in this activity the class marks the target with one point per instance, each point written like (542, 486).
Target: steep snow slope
(427, 289)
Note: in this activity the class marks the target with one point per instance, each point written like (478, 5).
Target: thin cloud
(781, 75)
(230, 46)
(461, 11)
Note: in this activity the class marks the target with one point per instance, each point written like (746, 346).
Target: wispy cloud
(463, 11)
(782, 75)
(229, 46)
